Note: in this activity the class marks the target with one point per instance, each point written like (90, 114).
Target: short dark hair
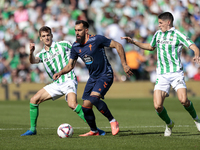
(44, 28)
(167, 16)
(85, 23)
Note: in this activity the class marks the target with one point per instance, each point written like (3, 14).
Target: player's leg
(70, 90)
(188, 105)
(99, 90)
(180, 87)
(158, 100)
(41, 96)
(73, 104)
(90, 118)
(161, 90)
(159, 97)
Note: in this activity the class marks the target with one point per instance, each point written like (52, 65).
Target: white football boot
(168, 130)
(197, 122)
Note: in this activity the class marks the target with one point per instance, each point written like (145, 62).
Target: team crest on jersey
(88, 59)
(171, 38)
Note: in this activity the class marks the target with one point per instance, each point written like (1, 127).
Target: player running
(90, 48)
(169, 43)
(54, 56)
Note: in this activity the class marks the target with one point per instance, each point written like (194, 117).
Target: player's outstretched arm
(145, 46)
(122, 56)
(66, 69)
(196, 53)
(32, 58)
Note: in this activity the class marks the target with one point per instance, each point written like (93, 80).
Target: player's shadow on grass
(131, 132)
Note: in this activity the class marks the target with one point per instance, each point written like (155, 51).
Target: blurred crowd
(20, 21)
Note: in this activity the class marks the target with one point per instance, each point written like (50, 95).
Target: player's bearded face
(80, 33)
(80, 38)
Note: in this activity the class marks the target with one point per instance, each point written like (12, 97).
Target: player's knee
(158, 108)
(35, 100)
(72, 105)
(94, 99)
(185, 102)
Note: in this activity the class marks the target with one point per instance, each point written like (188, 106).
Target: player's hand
(56, 76)
(128, 39)
(128, 70)
(196, 59)
(32, 47)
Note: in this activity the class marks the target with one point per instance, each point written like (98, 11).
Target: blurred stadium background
(20, 21)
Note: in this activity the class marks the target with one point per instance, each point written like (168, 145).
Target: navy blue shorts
(100, 85)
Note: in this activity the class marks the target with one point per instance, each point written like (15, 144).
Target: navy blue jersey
(93, 54)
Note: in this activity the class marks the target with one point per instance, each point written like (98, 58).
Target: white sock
(197, 118)
(170, 123)
(95, 131)
(113, 120)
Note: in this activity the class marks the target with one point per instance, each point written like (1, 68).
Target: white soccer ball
(65, 130)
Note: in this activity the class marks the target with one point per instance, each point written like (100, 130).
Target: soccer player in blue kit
(90, 48)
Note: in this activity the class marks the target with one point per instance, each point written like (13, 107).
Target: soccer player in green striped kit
(169, 42)
(54, 56)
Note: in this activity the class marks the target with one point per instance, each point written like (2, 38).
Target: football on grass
(65, 130)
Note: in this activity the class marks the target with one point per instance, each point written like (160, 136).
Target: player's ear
(86, 30)
(169, 22)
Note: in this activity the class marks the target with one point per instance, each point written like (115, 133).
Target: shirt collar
(172, 29)
(52, 45)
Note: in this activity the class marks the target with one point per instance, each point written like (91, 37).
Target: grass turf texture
(140, 127)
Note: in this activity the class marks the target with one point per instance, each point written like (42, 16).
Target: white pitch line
(125, 127)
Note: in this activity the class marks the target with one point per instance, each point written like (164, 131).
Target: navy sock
(90, 118)
(101, 106)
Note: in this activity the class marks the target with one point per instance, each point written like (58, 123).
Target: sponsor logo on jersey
(88, 59)
(187, 38)
(164, 42)
(51, 56)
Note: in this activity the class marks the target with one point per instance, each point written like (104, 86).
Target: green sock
(191, 110)
(164, 116)
(33, 116)
(79, 112)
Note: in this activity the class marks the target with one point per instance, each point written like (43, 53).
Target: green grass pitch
(140, 127)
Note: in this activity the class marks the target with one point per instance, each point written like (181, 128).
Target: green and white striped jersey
(56, 59)
(169, 46)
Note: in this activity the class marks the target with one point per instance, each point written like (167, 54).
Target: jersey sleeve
(103, 40)
(73, 54)
(153, 41)
(66, 44)
(184, 39)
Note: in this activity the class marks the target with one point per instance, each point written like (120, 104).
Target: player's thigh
(180, 87)
(41, 96)
(182, 96)
(162, 84)
(158, 98)
(54, 90)
(102, 85)
(69, 88)
(88, 88)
